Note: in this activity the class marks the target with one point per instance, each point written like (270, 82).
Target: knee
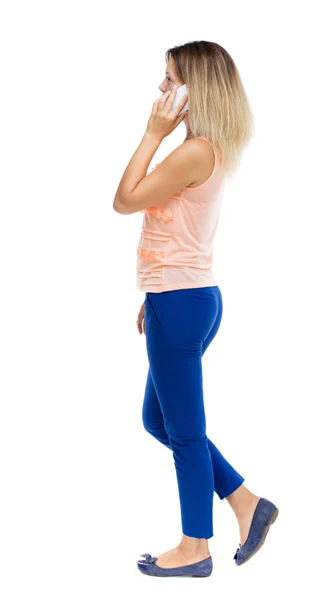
(158, 432)
(184, 440)
(146, 420)
(149, 425)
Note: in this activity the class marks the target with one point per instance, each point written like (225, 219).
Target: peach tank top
(175, 248)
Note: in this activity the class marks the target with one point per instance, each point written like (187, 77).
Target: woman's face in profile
(170, 78)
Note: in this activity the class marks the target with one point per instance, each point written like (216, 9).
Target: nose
(162, 86)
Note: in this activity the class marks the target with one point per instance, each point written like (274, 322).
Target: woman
(182, 310)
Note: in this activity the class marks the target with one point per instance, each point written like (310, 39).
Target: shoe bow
(149, 558)
(237, 552)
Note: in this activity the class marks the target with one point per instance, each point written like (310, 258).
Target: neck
(189, 134)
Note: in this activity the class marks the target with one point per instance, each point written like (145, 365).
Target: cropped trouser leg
(180, 325)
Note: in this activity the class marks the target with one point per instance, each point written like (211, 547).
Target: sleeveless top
(175, 249)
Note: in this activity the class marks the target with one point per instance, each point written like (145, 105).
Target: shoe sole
(179, 575)
(271, 520)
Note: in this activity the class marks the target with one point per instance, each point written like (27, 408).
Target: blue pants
(180, 324)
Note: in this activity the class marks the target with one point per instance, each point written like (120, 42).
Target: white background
(84, 488)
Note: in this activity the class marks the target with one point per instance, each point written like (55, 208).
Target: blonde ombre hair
(218, 106)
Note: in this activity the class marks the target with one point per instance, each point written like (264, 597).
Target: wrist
(151, 136)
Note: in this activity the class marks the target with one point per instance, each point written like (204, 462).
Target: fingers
(179, 107)
(141, 320)
(139, 326)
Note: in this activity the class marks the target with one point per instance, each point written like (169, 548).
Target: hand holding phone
(181, 91)
(161, 122)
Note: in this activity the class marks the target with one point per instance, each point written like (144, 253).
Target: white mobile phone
(178, 97)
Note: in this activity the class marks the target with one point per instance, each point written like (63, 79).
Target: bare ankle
(241, 500)
(191, 546)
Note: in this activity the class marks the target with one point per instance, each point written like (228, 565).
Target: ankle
(241, 500)
(193, 546)
(190, 552)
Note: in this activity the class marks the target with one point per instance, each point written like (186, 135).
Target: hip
(186, 313)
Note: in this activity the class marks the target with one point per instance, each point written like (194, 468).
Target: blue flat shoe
(203, 568)
(265, 514)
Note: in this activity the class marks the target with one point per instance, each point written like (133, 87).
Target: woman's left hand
(163, 120)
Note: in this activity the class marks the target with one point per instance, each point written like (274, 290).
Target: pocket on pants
(155, 311)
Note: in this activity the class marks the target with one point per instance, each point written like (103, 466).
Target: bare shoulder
(195, 157)
(194, 148)
(203, 153)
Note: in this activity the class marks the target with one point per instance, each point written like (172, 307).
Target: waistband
(184, 291)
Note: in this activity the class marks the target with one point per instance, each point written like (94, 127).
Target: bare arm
(178, 170)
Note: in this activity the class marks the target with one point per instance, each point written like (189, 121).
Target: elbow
(116, 208)
(119, 206)
(122, 207)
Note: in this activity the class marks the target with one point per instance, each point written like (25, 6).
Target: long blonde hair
(218, 106)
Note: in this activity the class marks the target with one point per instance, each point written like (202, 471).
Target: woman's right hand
(141, 320)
